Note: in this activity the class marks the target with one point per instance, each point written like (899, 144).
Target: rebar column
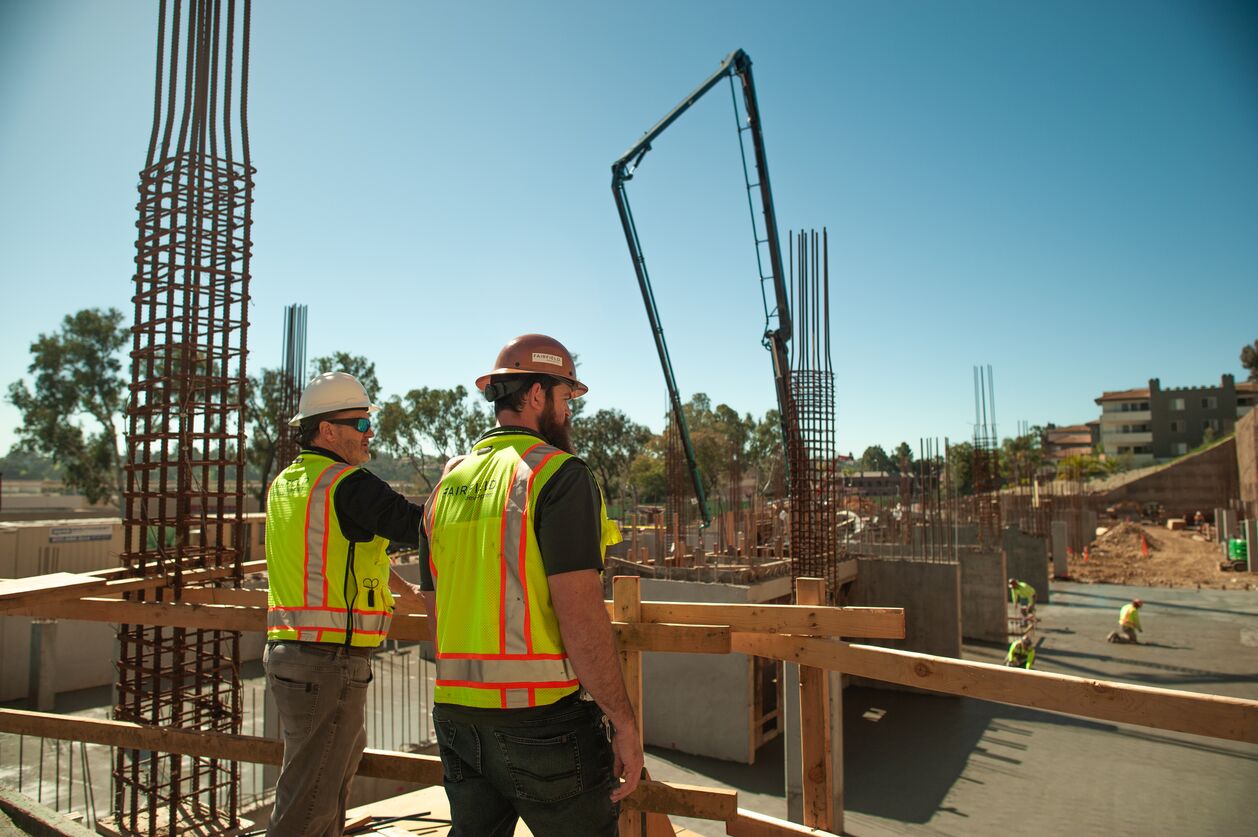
(186, 436)
(813, 477)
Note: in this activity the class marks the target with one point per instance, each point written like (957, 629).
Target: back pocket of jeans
(543, 769)
(296, 702)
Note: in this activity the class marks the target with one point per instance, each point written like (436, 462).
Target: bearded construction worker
(328, 522)
(530, 710)
(1128, 623)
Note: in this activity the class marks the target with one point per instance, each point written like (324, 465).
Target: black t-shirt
(366, 507)
(566, 518)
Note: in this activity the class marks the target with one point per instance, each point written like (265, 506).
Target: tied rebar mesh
(186, 439)
(812, 473)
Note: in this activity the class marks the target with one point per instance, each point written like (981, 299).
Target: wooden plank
(68, 587)
(627, 607)
(750, 824)
(383, 764)
(814, 723)
(684, 800)
(863, 622)
(1214, 716)
(690, 639)
(50, 587)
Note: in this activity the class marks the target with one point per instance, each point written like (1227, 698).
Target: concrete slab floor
(954, 766)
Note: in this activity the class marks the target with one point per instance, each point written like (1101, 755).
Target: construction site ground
(919, 764)
(1182, 558)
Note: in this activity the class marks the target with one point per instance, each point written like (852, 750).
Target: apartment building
(1153, 424)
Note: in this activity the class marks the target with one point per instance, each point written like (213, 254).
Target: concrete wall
(930, 594)
(984, 589)
(1247, 462)
(1200, 481)
(83, 655)
(702, 703)
(1026, 559)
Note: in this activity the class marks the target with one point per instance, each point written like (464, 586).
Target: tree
(960, 464)
(902, 459)
(428, 426)
(609, 442)
(78, 382)
(264, 401)
(356, 365)
(1249, 360)
(1021, 458)
(766, 454)
(875, 459)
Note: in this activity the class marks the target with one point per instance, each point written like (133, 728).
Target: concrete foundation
(1026, 558)
(984, 589)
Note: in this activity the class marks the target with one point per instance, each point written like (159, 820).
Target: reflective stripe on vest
(515, 670)
(320, 614)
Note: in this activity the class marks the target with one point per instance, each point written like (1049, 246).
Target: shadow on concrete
(767, 776)
(1152, 603)
(1174, 674)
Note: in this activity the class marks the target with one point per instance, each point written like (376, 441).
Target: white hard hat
(330, 393)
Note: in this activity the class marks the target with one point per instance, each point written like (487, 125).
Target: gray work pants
(320, 691)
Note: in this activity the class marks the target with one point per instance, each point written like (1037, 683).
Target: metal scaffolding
(186, 434)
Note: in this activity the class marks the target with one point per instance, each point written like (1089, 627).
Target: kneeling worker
(328, 522)
(1021, 653)
(530, 708)
(1128, 623)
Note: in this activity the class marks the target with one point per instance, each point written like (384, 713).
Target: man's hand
(628, 763)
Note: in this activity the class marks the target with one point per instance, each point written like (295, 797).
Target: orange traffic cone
(1144, 546)
(1086, 555)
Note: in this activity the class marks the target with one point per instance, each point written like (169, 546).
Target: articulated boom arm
(776, 338)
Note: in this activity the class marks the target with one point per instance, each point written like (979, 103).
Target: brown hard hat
(535, 354)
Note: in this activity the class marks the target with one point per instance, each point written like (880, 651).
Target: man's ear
(537, 395)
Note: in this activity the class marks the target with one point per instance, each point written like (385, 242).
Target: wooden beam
(814, 723)
(68, 587)
(382, 764)
(689, 639)
(863, 622)
(684, 800)
(750, 824)
(627, 607)
(1215, 716)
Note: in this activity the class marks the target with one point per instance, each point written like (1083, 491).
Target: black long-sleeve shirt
(366, 507)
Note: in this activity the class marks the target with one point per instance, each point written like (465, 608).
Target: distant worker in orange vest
(1128, 623)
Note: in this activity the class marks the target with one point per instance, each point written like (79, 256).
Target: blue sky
(1067, 191)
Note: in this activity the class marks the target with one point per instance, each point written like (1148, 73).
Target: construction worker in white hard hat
(1128, 623)
(328, 521)
(530, 709)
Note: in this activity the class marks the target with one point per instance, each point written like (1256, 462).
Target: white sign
(74, 534)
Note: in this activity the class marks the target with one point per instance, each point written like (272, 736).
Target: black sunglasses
(362, 425)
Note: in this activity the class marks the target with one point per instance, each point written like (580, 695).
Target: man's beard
(558, 433)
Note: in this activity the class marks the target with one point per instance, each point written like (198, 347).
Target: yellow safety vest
(498, 644)
(323, 587)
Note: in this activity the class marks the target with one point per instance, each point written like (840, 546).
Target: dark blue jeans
(552, 767)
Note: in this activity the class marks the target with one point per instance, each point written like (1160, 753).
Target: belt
(327, 647)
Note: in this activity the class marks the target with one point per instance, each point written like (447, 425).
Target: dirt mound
(1174, 559)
